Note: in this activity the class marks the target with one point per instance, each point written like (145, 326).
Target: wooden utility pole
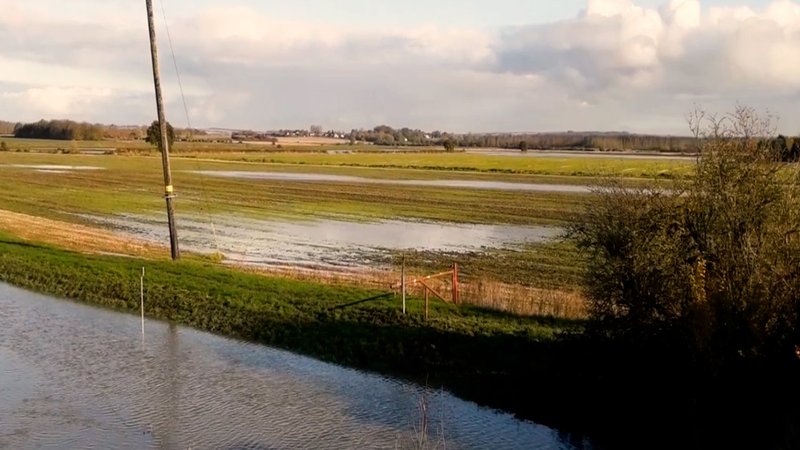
(169, 191)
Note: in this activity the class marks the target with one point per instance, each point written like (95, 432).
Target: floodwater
(51, 168)
(322, 244)
(74, 376)
(468, 184)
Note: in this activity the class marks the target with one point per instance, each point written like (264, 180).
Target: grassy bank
(286, 313)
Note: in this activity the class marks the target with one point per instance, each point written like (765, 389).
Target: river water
(75, 376)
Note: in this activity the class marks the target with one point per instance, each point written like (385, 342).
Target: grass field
(578, 166)
(133, 184)
(383, 157)
(200, 147)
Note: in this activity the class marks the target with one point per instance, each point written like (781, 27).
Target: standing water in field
(327, 244)
(465, 184)
(74, 376)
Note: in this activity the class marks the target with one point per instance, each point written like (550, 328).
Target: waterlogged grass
(563, 166)
(133, 184)
(290, 314)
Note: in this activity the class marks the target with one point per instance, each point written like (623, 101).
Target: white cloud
(58, 101)
(616, 65)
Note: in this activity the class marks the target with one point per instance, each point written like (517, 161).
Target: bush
(711, 267)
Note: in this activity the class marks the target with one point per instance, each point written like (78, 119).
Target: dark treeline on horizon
(610, 141)
(59, 129)
(82, 131)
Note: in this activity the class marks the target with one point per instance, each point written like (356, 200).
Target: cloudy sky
(460, 65)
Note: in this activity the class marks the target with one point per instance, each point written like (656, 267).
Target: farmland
(504, 194)
(273, 249)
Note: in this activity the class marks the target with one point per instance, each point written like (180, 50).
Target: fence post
(403, 283)
(427, 299)
(141, 293)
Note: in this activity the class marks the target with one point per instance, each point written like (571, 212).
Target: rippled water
(468, 184)
(327, 244)
(73, 376)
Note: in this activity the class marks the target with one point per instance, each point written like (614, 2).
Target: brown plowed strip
(75, 237)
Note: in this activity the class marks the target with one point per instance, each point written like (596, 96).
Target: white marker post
(403, 283)
(141, 291)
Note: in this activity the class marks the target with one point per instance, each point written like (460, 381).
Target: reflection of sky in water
(52, 167)
(467, 184)
(73, 376)
(324, 243)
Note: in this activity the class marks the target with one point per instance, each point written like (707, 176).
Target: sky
(451, 65)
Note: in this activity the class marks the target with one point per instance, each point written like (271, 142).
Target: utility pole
(169, 191)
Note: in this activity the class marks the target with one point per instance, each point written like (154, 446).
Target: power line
(203, 195)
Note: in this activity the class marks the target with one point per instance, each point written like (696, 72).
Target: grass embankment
(286, 313)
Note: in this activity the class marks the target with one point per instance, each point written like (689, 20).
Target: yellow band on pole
(169, 189)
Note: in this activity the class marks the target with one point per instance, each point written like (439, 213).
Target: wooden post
(427, 299)
(169, 192)
(403, 283)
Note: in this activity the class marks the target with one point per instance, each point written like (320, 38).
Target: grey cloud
(628, 68)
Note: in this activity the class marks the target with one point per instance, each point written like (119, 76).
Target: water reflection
(73, 376)
(327, 244)
(466, 184)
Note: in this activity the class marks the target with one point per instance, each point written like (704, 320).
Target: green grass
(574, 166)
(555, 265)
(290, 314)
(123, 146)
(134, 185)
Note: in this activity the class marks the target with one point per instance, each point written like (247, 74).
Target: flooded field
(327, 244)
(74, 376)
(51, 168)
(468, 184)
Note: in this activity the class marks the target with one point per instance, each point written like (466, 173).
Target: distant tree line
(249, 135)
(81, 131)
(785, 149)
(7, 127)
(577, 141)
(386, 135)
(59, 129)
